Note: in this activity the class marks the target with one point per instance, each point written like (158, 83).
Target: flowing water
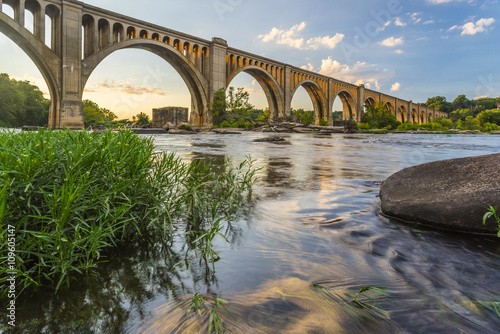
(311, 239)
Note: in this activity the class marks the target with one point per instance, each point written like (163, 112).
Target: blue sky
(412, 49)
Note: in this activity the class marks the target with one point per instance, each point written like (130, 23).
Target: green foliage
(379, 117)
(461, 114)
(364, 126)
(409, 127)
(93, 114)
(470, 123)
(141, 119)
(71, 196)
(489, 116)
(445, 122)
(323, 122)
(492, 212)
(337, 115)
(232, 106)
(439, 103)
(21, 103)
(371, 293)
(487, 127)
(306, 117)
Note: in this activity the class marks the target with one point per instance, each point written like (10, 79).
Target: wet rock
(149, 131)
(450, 194)
(269, 139)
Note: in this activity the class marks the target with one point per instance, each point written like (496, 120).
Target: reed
(73, 195)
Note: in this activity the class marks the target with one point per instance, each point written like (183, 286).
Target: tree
(21, 103)
(378, 116)
(462, 102)
(231, 107)
(92, 113)
(439, 103)
(141, 119)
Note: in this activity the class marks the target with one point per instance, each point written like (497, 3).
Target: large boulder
(450, 194)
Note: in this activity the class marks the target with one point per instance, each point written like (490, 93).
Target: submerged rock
(269, 139)
(450, 194)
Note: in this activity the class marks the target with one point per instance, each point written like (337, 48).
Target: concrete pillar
(71, 108)
(360, 103)
(329, 97)
(396, 108)
(19, 13)
(39, 24)
(287, 91)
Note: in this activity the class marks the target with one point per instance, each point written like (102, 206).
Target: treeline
(463, 103)
(21, 103)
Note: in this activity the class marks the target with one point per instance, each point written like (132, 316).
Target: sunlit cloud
(399, 22)
(472, 28)
(292, 38)
(359, 73)
(395, 87)
(124, 87)
(399, 51)
(392, 41)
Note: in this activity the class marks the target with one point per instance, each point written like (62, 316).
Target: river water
(311, 239)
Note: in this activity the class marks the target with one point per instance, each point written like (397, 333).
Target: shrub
(364, 126)
(487, 127)
(70, 196)
(408, 127)
(323, 122)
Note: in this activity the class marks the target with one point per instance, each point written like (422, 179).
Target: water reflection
(315, 222)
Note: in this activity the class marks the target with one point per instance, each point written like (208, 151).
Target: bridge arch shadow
(273, 92)
(318, 99)
(194, 80)
(349, 110)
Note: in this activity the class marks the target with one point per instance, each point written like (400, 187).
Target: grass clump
(70, 196)
(492, 212)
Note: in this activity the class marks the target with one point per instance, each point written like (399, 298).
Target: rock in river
(450, 194)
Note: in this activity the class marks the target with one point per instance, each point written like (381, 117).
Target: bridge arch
(193, 79)
(273, 92)
(34, 48)
(390, 107)
(317, 96)
(349, 110)
(402, 114)
(370, 101)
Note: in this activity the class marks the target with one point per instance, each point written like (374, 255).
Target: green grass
(71, 196)
(492, 212)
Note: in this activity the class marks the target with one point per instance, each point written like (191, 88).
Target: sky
(412, 49)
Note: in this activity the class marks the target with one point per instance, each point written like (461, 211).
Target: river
(312, 238)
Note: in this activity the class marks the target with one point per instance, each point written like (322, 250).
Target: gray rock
(269, 139)
(450, 194)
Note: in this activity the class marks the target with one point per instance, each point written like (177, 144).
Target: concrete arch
(39, 53)
(402, 114)
(318, 99)
(273, 92)
(349, 104)
(370, 101)
(388, 105)
(193, 79)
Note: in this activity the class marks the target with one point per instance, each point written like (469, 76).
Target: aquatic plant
(378, 292)
(492, 212)
(71, 196)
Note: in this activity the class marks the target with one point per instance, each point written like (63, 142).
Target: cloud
(392, 41)
(359, 73)
(395, 87)
(472, 28)
(125, 87)
(399, 51)
(399, 22)
(292, 38)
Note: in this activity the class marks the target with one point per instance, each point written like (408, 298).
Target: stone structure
(173, 115)
(84, 35)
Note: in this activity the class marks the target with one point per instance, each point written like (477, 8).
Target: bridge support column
(287, 92)
(19, 13)
(329, 97)
(360, 103)
(216, 69)
(71, 107)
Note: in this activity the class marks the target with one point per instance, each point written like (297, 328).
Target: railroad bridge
(82, 36)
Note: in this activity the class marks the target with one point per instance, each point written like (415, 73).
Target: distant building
(173, 115)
